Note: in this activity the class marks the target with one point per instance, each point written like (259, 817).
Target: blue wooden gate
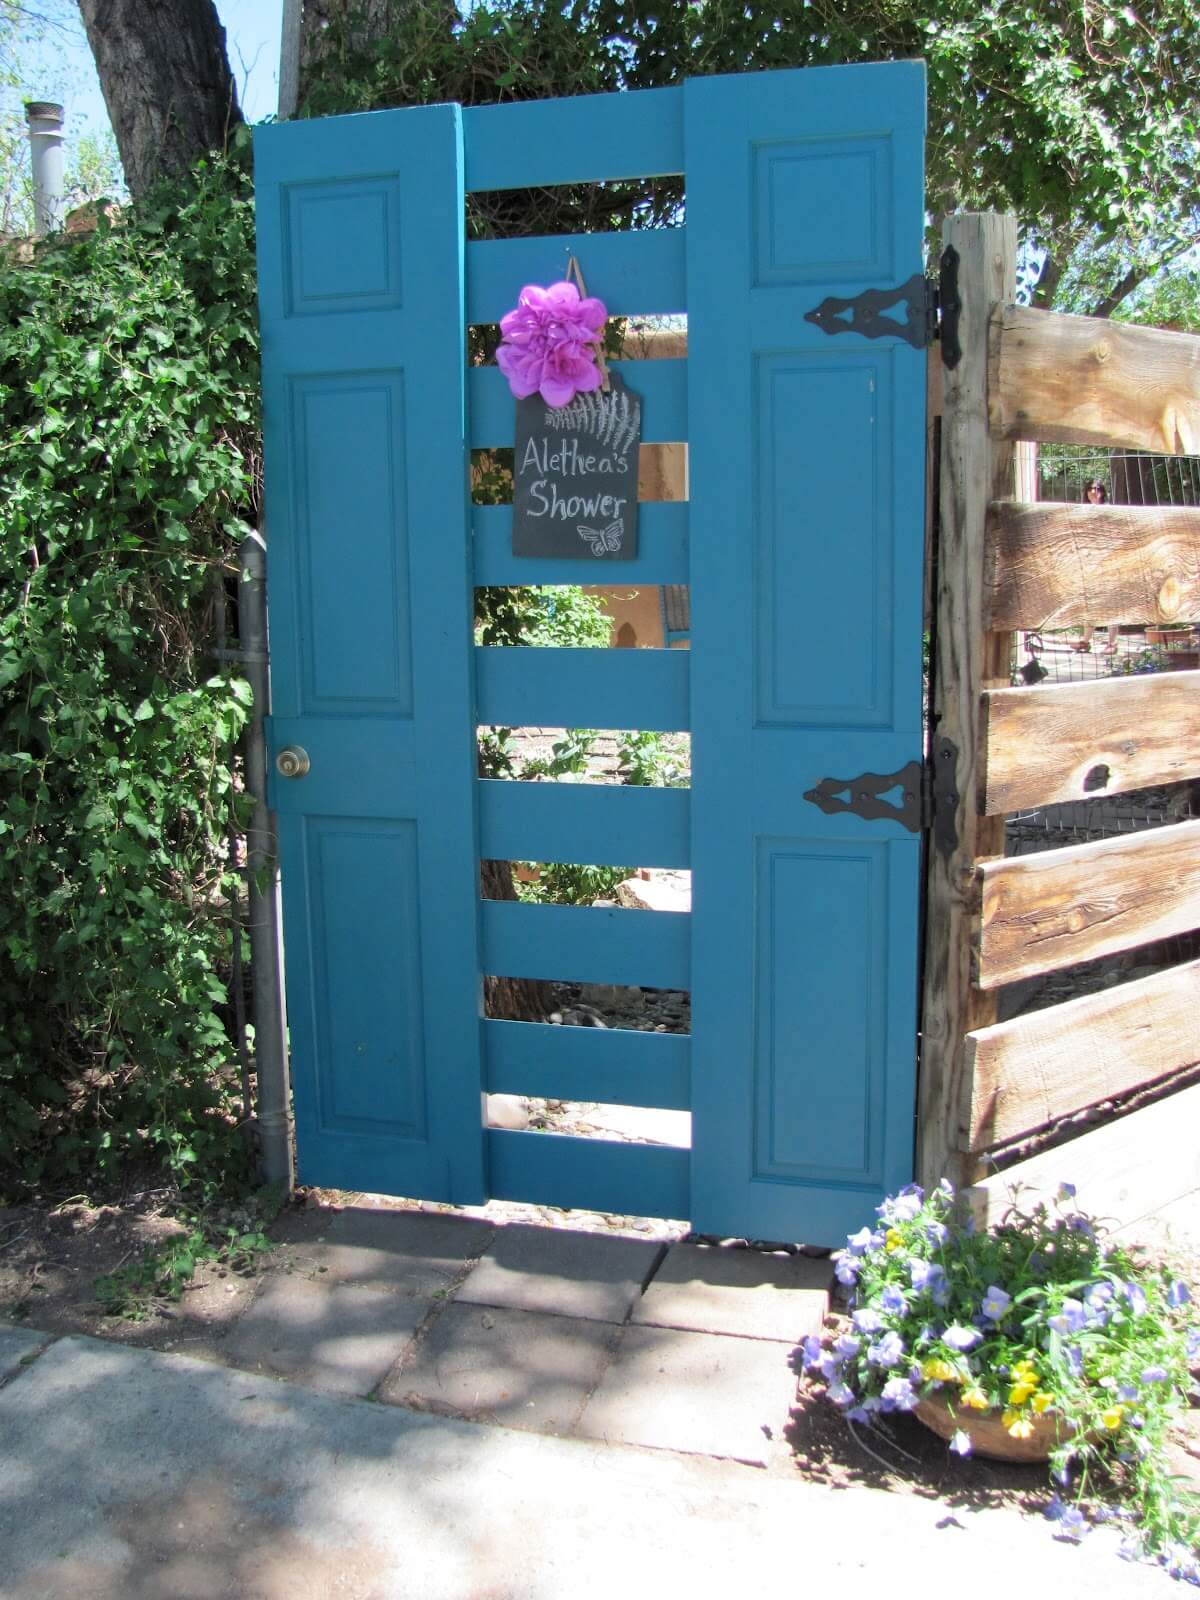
(802, 545)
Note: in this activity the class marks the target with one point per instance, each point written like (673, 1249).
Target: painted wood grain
(1074, 741)
(1052, 910)
(640, 273)
(521, 686)
(1059, 566)
(1088, 380)
(1029, 1072)
(638, 1180)
(594, 824)
(581, 139)
(617, 1066)
(1128, 1169)
(974, 470)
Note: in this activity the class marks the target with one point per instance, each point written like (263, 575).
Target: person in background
(1096, 494)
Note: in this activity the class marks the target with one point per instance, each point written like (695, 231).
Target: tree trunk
(518, 999)
(332, 30)
(166, 82)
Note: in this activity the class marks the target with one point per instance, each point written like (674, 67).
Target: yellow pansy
(893, 1239)
(974, 1397)
(940, 1370)
(1020, 1392)
(1042, 1401)
(1019, 1427)
(1112, 1418)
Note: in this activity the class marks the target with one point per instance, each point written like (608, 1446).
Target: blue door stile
(361, 283)
(807, 529)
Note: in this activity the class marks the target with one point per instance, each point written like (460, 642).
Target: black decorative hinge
(870, 796)
(918, 796)
(931, 311)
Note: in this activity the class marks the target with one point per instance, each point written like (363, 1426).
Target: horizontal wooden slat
(636, 274)
(1051, 910)
(661, 384)
(1072, 741)
(1029, 1072)
(597, 824)
(662, 551)
(1062, 566)
(586, 944)
(1125, 1170)
(618, 1066)
(593, 138)
(634, 1180)
(1087, 380)
(523, 687)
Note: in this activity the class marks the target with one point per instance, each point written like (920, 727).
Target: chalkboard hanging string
(574, 270)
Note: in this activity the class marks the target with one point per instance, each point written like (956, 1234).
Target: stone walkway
(548, 1330)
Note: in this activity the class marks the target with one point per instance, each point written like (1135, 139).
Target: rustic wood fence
(1003, 564)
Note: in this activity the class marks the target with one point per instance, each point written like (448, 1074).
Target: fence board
(662, 551)
(635, 274)
(520, 687)
(596, 824)
(587, 944)
(1028, 1072)
(594, 138)
(1071, 740)
(1058, 566)
(1130, 1168)
(661, 384)
(617, 1066)
(634, 1180)
(1088, 380)
(1088, 900)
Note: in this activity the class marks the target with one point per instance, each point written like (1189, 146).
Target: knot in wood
(1170, 600)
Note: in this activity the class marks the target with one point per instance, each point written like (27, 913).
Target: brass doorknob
(292, 762)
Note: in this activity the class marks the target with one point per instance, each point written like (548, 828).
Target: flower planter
(987, 1433)
(1170, 638)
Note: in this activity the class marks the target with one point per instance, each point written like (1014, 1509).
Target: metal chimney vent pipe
(46, 148)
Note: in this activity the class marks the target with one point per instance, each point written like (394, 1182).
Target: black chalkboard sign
(575, 476)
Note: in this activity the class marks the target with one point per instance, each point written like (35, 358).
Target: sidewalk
(551, 1415)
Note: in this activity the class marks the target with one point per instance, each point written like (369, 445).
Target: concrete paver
(17, 1347)
(748, 1292)
(331, 1336)
(130, 1475)
(407, 1252)
(515, 1367)
(560, 1272)
(693, 1391)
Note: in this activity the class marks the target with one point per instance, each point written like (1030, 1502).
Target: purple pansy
(893, 1300)
(845, 1346)
(960, 1338)
(1155, 1375)
(867, 1321)
(549, 343)
(886, 1352)
(841, 1394)
(1070, 1319)
(1136, 1297)
(1178, 1293)
(846, 1268)
(961, 1442)
(813, 1351)
(862, 1241)
(995, 1302)
(898, 1394)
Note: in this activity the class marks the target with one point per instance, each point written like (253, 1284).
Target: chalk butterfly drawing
(603, 541)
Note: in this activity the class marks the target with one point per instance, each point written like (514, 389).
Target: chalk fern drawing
(614, 419)
(603, 541)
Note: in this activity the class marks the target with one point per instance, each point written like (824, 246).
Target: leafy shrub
(128, 437)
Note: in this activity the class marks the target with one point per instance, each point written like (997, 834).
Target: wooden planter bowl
(987, 1433)
(1171, 638)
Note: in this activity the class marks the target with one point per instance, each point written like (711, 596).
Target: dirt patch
(52, 1253)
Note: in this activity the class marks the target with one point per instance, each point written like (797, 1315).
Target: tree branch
(1137, 275)
(1043, 290)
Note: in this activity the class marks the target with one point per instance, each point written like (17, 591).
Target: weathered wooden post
(975, 469)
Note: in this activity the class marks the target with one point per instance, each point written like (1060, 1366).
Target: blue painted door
(802, 544)
(807, 522)
(361, 292)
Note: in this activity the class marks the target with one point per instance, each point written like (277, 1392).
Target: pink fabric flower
(549, 343)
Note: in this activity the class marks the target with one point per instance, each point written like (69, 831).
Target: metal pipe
(46, 154)
(262, 866)
(289, 59)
